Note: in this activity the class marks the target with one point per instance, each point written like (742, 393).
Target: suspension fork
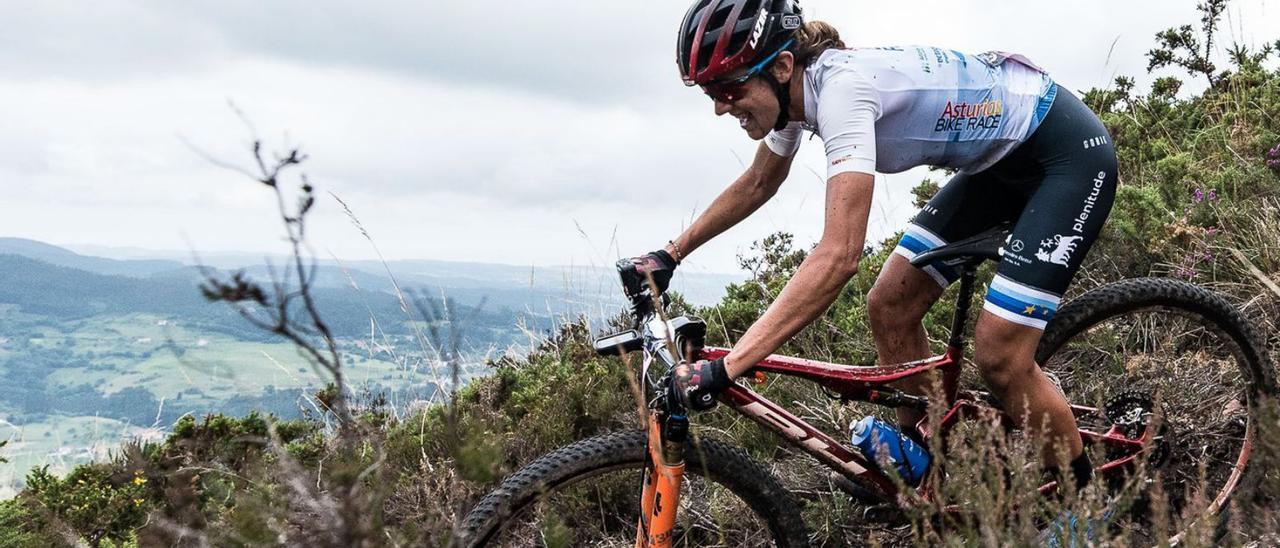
(663, 476)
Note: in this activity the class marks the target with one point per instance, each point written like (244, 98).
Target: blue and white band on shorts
(916, 240)
(1020, 303)
(1056, 188)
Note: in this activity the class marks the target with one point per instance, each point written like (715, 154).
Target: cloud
(481, 130)
(592, 52)
(98, 42)
(587, 52)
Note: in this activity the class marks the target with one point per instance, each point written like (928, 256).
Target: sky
(532, 133)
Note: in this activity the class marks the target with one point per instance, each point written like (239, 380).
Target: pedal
(857, 492)
(888, 514)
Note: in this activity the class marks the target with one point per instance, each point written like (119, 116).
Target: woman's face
(754, 104)
(756, 109)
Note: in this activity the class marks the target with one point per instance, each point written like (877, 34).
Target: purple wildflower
(1197, 195)
(1213, 194)
(1211, 231)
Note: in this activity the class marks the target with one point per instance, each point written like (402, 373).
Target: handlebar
(668, 341)
(686, 332)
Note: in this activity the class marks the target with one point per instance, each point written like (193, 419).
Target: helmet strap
(783, 93)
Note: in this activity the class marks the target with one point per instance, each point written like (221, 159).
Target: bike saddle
(969, 251)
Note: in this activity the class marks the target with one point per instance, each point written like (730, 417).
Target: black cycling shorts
(1056, 187)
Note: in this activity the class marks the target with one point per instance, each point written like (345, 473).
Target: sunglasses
(729, 91)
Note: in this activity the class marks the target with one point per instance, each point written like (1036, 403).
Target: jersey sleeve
(848, 107)
(785, 142)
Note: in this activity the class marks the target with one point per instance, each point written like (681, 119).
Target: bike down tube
(813, 441)
(660, 498)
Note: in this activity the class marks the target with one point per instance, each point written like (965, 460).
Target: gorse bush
(1199, 199)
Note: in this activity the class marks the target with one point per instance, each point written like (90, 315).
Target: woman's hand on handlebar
(636, 271)
(698, 384)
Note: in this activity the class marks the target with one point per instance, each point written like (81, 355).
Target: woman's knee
(901, 296)
(1000, 369)
(1004, 352)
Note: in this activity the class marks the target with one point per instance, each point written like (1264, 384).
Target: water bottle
(881, 441)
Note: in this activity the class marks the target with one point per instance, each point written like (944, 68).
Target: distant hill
(62, 293)
(563, 289)
(64, 257)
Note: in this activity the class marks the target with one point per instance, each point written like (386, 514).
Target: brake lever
(673, 401)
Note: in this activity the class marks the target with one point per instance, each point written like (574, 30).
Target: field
(169, 359)
(61, 443)
(186, 369)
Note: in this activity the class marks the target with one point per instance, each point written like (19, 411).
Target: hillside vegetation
(1199, 199)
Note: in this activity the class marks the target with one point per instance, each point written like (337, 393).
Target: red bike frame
(869, 384)
(665, 468)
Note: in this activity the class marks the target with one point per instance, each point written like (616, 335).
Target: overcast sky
(542, 133)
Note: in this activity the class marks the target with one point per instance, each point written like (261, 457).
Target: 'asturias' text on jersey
(964, 116)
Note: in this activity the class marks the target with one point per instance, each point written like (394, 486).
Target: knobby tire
(1212, 311)
(721, 463)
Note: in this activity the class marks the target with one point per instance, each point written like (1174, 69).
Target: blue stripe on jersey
(1042, 108)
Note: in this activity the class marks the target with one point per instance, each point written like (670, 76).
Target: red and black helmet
(720, 36)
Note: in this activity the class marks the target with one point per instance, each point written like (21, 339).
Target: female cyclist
(1025, 151)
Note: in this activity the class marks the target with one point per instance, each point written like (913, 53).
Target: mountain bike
(1192, 374)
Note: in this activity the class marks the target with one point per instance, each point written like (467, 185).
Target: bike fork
(663, 475)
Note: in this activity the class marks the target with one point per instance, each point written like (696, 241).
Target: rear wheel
(588, 494)
(1203, 366)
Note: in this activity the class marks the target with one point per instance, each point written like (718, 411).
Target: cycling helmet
(718, 37)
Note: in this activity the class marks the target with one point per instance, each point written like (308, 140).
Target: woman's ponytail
(812, 39)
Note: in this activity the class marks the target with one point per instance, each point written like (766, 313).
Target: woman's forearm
(812, 289)
(735, 203)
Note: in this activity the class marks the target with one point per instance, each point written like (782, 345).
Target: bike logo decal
(1058, 249)
(806, 440)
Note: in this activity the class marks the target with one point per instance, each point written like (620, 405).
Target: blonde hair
(812, 39)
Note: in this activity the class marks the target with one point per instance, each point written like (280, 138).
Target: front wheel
(1185, 359)
(588, 494)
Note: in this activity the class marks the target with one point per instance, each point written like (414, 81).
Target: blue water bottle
(874, 436)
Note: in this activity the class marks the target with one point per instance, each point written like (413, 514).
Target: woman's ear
(783, 66)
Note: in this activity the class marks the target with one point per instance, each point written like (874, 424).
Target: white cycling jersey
(895, 108)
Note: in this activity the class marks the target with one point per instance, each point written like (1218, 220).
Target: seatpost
(959, 322)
